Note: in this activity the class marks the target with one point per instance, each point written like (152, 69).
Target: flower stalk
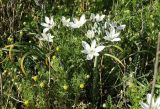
(155, 70)
(49, 65)
(95, 78)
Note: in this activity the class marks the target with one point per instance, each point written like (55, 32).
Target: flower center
(92, 51)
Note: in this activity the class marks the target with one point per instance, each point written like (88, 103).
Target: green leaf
(115, 58)
(119, 48)
(22, 61)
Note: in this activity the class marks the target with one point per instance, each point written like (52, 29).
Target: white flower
(112, 35)
(78, 23)
(90, 34)
(155, 105)
(66, 22)
(121, 27)
(46, 37)
(49, 23)
(91, 50)
(97, 17)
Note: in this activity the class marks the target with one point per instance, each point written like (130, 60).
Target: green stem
(95, 78)
(95, 62)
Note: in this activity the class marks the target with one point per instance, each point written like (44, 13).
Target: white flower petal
(46, 37)
(45, 24)
(96, 54)
(73, 25)
(51, 21)
(45, 30)
(121, 27)
(116, 39)
(102, 17)
(99, 48)
(158, 101)
(85, 45)
(84, 51)
(75, 20)
(93, 44)
(115, 35)
(68, 19)
(107, 33)
(82, 17)
(114, 24)
(112, 30)
(47, 20)
(82, 20)
(89, 57)
(149, 98)
(63, 18)
(107, 38)
(144, 106)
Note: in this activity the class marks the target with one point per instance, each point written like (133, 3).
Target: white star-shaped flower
(120, 27)
(49, 23)
(97, 17)
(78, 23)
(66, 22)
(112, 35)
(91, 50)
(155, 105)
(90, 34)
(46, 37)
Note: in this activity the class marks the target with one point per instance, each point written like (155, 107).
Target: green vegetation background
(24, 80)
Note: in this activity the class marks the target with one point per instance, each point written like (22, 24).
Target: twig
(16, 99)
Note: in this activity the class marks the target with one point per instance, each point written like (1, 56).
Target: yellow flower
(21, 33)
(35, 78)
(26, 102)
(81, 86)
(41, 84)
(65, 87)
(10, 39)
(57, 48)
(53, 57)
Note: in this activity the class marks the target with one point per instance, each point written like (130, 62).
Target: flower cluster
(108, 31)
(77, 23)
(97, 17)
